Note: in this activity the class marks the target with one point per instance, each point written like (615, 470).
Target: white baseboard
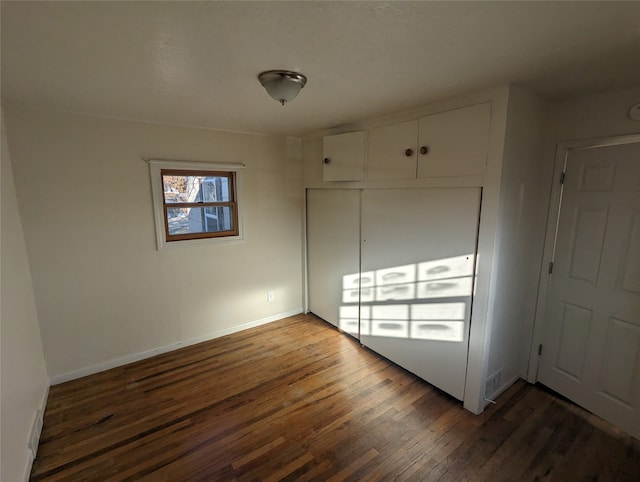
(100, 367)
(36, 429)
(27, 470)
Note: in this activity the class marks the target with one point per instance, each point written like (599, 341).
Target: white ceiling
(196, 63)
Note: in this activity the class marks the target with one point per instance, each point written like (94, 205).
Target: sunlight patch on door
(429, 300)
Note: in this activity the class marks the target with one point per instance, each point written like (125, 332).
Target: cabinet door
(344, 157)
(333, 254)
(389, 156)
(457, 142)
(418, 256)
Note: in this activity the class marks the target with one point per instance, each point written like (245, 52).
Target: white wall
(103, 291)
(24, 381)
(602, 115)
(519, 248)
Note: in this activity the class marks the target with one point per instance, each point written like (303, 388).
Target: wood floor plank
(297, 400)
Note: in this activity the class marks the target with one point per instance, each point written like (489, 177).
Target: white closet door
(418, 256)
(333, 256)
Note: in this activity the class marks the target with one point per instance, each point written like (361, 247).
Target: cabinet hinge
(562, 177)
(551, 267)
(539, 350)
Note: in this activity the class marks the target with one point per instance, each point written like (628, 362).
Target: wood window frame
(160, 168)
(232, 204)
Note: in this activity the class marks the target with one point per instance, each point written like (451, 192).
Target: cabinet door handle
(326, 160)
(408, 152)
(424, 150)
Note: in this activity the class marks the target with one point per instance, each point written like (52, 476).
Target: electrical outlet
(270, 296)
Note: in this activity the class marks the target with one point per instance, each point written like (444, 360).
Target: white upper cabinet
(392, 151)
(452, 143)
(344, 156)
(455, 143)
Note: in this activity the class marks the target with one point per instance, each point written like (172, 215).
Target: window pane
(199, 220)
(179, 189)
(215, 189)
(196, 189)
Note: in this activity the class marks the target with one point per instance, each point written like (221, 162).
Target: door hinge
(539, 350)
(551, 267)
(562, 177)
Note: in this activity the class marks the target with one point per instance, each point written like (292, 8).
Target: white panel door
(333, 256)
(418, 257)
(591, 340)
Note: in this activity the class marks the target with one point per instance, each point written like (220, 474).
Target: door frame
(563, 150)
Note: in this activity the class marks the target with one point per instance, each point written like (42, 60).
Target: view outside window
(199, 204)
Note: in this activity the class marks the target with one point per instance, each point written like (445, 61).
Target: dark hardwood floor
(297, 400)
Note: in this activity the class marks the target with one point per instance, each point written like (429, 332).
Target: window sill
(192, 243)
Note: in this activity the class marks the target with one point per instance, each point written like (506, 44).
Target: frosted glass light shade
(282, 85)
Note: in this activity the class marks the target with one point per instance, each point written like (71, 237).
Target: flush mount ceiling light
(282, 85)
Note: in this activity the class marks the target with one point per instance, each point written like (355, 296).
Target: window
(195, 201)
